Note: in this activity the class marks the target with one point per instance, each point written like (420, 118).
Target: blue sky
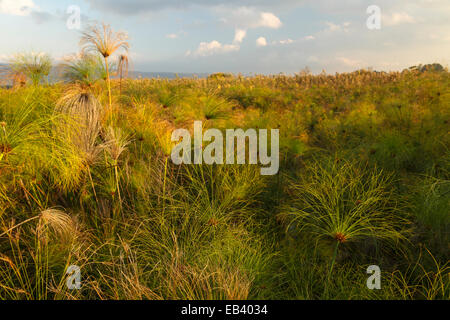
(248, 36)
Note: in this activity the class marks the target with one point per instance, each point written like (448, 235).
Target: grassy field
(87, 180)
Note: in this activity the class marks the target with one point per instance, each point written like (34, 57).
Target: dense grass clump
(86, 179)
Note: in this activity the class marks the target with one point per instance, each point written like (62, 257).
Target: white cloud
(4, 58)
(242, 18)
(249, 18)
(287, 41)
(397, 18)
(239, 35)
(17, 7)
(269, 20)
(176, 35)
(261, 42)
(291, 41)
(332, 27)
(350, 62)
(214, 47)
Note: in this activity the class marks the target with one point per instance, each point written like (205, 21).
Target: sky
(240, 36)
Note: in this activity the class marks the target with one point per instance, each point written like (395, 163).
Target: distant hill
(435, 67)
(55, 74)
(165, 75)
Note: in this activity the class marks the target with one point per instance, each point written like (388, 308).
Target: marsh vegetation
(86, 180)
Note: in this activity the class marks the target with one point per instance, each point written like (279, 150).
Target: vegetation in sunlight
(86, 179)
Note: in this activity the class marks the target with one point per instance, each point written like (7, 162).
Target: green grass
(364, 172)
